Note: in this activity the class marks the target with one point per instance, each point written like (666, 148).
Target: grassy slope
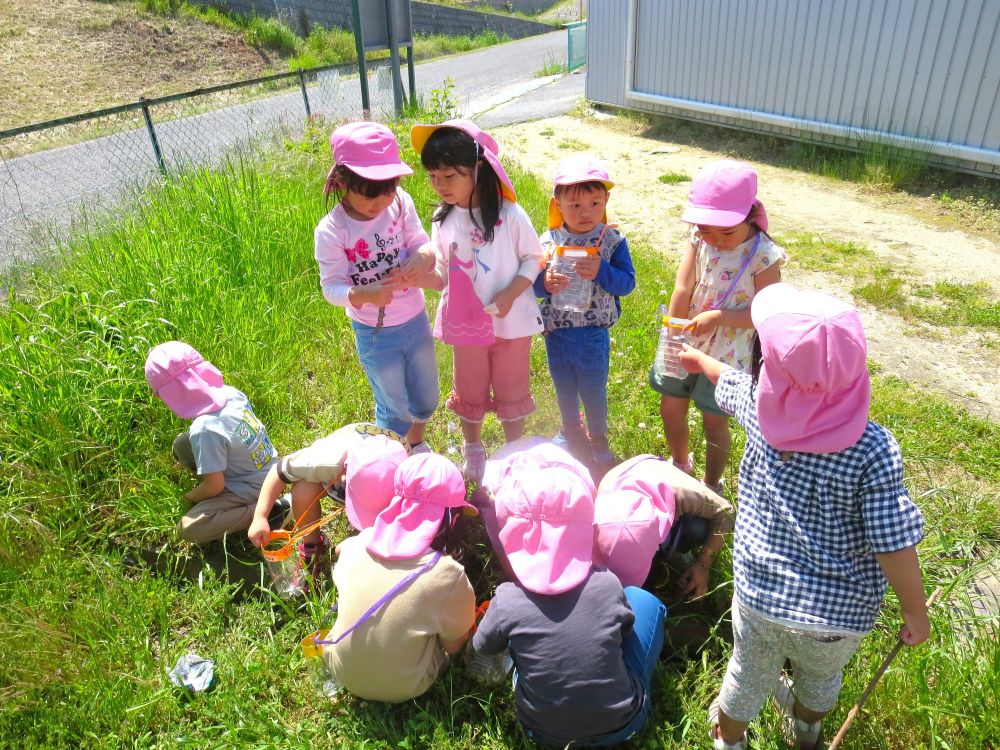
(224, 261)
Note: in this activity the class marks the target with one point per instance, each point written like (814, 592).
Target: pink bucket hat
(370, 468)
(426, 485)
(419, 134)
(722, 194)
(545, 513)
(185, 382)
(814, 391)
(368, 149)
(572, 171)
(633, 511)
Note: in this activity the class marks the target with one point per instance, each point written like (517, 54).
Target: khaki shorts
(695, 387)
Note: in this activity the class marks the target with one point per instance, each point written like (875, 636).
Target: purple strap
(739, 275)
(385, 599)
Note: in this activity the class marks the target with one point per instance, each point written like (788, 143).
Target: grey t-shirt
(572, 681)
(232, 440)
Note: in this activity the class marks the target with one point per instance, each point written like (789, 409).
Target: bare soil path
(959, 363)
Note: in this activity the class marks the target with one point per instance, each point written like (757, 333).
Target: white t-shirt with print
(714, 272)
(514, 251)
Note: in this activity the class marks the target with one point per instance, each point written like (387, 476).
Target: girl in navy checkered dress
(824, 523)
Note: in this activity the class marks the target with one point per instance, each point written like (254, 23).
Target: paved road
(41, 193)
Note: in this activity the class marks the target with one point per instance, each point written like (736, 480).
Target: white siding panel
(911, 69)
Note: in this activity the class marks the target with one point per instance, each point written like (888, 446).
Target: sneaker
(688, 467)
(574, 441)
(281, 513)
(604, 458)
(421, 447)
(713, 730)
(474, 463)
(314, 564)
(798, 733)
(719, 489)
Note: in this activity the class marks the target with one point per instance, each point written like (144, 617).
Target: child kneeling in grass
(404, 602)
(226, 445)
(583, 648)
(823, 521)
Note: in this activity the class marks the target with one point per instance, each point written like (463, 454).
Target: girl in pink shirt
(360, 246)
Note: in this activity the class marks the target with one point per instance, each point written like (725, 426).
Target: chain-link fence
(51, 172)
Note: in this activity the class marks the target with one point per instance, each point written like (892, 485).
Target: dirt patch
(961, 364)
(74, 56)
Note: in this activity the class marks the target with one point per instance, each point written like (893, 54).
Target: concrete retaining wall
(427, 17)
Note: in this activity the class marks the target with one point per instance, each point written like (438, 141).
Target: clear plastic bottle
(282, 563)
(324, 682)
(576, 296)
(672, 340)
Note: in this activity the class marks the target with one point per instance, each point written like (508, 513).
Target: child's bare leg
(513, 429)
(807, 714)
(730, 729)
(416, 433)
(673, 412)
(304, 509)
(472, 432)
(717, 447)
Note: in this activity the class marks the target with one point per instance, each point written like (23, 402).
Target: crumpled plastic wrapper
(193, 673)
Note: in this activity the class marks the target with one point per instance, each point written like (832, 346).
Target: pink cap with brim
(574, 170)
(722, 194)
(814, 392)
(368, 149)
(419, 134)
(184, 381)
(545, 513)
(633, 511)
(369, 475)
(426, 486)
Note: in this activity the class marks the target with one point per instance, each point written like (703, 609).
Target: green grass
(880, 284)
(223, 259)
(674, 178)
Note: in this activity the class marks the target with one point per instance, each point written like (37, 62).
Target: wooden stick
(853, 713)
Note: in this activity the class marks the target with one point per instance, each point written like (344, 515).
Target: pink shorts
(506, 367)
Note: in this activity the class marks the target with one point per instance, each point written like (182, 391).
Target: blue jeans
(402, 371)
(641, 648)
(578, 362)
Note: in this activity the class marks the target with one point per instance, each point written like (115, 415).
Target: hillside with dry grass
(76, 55)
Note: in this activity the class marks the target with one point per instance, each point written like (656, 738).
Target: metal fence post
(305, 94)
(152, 135)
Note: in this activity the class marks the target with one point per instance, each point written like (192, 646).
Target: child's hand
(587, 268)
(690, 359)
(554, 281)
(378, 294)
(705, 322)
(504, 300)
(418, 264)
(694, 580)
(916, 628)
(259, 531)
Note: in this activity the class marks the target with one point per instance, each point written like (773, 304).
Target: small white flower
(452, 450)
(663, 292)
(641, 425)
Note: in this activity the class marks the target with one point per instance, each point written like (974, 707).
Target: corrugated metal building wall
(922, 74)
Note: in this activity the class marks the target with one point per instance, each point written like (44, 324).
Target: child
(824, 519)
(405, 559)
(487, 257)
(729, 258)
(360, 246)
(584, 650)
(642, 506)
(336, 466)
(226, 445)
(577, 344)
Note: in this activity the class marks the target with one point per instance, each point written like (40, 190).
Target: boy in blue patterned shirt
(824, 522)
(577, 342)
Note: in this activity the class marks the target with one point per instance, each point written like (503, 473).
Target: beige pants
(215, 517)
